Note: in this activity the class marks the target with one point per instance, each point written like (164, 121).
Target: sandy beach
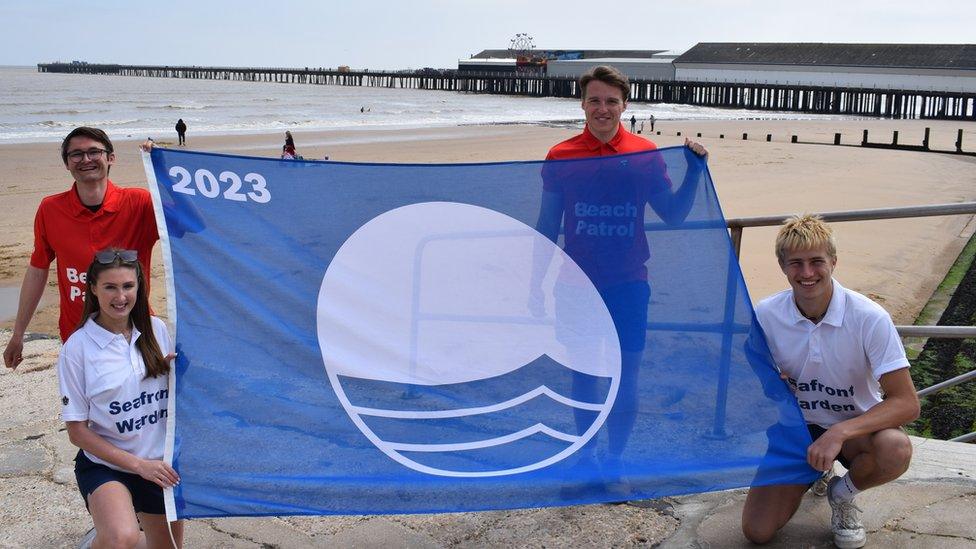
(898, 263)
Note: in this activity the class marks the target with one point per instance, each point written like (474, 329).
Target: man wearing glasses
(71, 226)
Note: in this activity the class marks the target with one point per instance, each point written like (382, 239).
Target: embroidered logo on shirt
(64, 400)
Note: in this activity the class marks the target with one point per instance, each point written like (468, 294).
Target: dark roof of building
(928, 56)
(584, 54)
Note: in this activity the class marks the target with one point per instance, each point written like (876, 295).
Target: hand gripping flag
(380, 338)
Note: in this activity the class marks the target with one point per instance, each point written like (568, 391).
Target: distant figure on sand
(119, 353)
(652, 122)
(288, 151)
(70, 226)
(181, 131)
(633, 123)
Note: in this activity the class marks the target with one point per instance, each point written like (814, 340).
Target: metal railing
(736, 225)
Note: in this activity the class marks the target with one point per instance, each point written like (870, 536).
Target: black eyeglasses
(108, 256)
(92, 154)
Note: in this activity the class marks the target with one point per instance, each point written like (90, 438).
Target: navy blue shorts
(816, 432)
(147, 497)
(628, 307)
(779, 461)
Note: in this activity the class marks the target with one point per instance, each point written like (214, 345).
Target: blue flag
(380, 338)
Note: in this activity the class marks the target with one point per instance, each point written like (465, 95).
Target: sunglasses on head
(108, 256)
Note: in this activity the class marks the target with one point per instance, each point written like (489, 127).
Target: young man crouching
(839, 352)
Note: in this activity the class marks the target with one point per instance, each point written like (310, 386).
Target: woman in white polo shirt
(113, 378)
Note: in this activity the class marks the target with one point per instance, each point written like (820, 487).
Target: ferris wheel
(521, 45)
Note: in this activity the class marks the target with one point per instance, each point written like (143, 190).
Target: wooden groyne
(937, 105)
(894, 144)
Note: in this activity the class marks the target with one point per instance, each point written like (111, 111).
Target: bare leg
(157, 532)
(878, 458)
(624, 413)
(115, 520)
(769, 508)
(585, 388)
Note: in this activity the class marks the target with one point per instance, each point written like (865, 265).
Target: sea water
(39, 107)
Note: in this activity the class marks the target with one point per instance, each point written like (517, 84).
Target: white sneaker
(86, 542)
(819, 488)
(845, 521)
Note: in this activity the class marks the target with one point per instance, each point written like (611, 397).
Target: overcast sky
(436, 33)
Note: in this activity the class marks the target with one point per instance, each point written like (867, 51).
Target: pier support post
(864, 140)
(959, 141)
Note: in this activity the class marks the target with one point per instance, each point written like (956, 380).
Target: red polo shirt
(604, 204)
(65, 229)
(586, 145)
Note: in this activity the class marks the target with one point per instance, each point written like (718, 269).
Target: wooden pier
(937, 105)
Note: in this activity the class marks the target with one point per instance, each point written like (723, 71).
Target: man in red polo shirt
(605, 93)
(601, 207)
(71, 226)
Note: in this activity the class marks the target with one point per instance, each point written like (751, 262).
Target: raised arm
(673, 206)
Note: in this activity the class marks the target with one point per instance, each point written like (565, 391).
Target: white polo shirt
(834, 366)
(103, 380)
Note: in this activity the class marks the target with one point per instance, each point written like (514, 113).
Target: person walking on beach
(288, 150)
(838, 351)
(181, 131)
(68, 227)
(615, 263)
(652, 122)
(633, 123)
(112, 374)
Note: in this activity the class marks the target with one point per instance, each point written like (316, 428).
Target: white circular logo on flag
(450, 356)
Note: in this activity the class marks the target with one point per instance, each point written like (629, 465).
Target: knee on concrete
(758, 533)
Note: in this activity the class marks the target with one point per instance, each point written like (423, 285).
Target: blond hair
(804, 232)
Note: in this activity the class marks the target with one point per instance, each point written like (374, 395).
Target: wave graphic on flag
(377, 290)
(493, 439)
(376, 338)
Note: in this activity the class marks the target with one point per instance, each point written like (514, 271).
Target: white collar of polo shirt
(103, 337)
(835, 309)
